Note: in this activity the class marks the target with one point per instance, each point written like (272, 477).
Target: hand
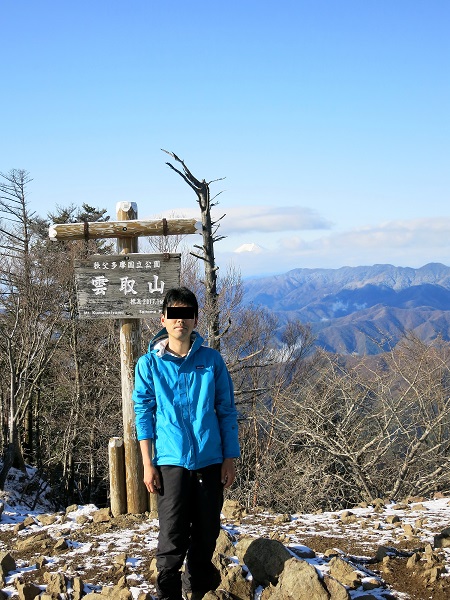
(151, 478)
(228, 472)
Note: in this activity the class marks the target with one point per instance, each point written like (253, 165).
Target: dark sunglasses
(180, 312)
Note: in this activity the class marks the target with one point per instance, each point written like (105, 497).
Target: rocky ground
(388, 550)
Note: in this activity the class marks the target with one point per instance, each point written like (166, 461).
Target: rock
(82, 519)
(413, 561)
(153, 571)
(120, 559)
(344, 572)
(217, 595)
(236, 584)
(27, 591)
(347, 517)
(336, 590)
(419, 507)
(241, 547)
(103, 515)
(298, 581)
(408, 529)
(28, 521)
(56, 583)
(433, 574)
(265, 560)
(40, 562)
(18, 527)
(392, 519)
(442, 540)
(401, 507)
(279, 519)
(224, 543)
(414, 499)
(371, 583)
(78, 588)
(330, 552)
(34, 542)
(221, 562)
(232, 510)
(60, 545)
(71, 508)
(7, 563)
(303, 551)
(47, 519)
(383, 552)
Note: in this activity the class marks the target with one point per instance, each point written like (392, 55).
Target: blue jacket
(186, 405)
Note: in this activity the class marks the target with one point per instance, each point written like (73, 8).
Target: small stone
(392, 519)
(413, 560)
(82, 519)
(60, 545)
(47, 519)
(103, 515)
(371, 583)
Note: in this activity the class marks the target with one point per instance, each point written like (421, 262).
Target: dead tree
(209, 233)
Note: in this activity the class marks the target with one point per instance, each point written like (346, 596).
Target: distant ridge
(360, 310)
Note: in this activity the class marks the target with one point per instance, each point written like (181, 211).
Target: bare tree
(210, 236)
(372, 427)
(28, 314)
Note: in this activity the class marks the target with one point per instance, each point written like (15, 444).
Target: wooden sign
(125, 286)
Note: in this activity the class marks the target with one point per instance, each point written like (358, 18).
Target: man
(184, 406)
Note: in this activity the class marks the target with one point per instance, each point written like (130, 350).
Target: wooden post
(117, 487)
(137, 496)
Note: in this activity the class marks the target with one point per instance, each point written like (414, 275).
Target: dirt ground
(99, 552)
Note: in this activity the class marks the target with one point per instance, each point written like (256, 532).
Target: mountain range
(360, 310)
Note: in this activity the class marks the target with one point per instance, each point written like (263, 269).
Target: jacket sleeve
(226, 409)
(144, 400)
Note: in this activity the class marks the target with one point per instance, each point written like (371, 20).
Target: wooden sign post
(126, 229)
(130, 336)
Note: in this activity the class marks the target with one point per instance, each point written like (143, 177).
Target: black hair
(180, 295)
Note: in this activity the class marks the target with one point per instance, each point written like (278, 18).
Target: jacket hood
(196, 339)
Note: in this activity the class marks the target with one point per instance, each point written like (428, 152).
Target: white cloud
(258, 218)
(405, 243)
(271, 219)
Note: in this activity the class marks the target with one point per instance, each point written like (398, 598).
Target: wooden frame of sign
(124, 286)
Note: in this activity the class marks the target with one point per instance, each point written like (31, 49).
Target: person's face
(179, 323)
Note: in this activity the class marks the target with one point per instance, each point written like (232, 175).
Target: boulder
(7, 563)
(27, 591)
(344, 572)
(241, 547)
(265, 560)
(224, 543)
(298, 581)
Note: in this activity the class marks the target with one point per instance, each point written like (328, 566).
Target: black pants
(189, 508)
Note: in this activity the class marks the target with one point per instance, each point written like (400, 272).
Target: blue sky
(329, 119)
